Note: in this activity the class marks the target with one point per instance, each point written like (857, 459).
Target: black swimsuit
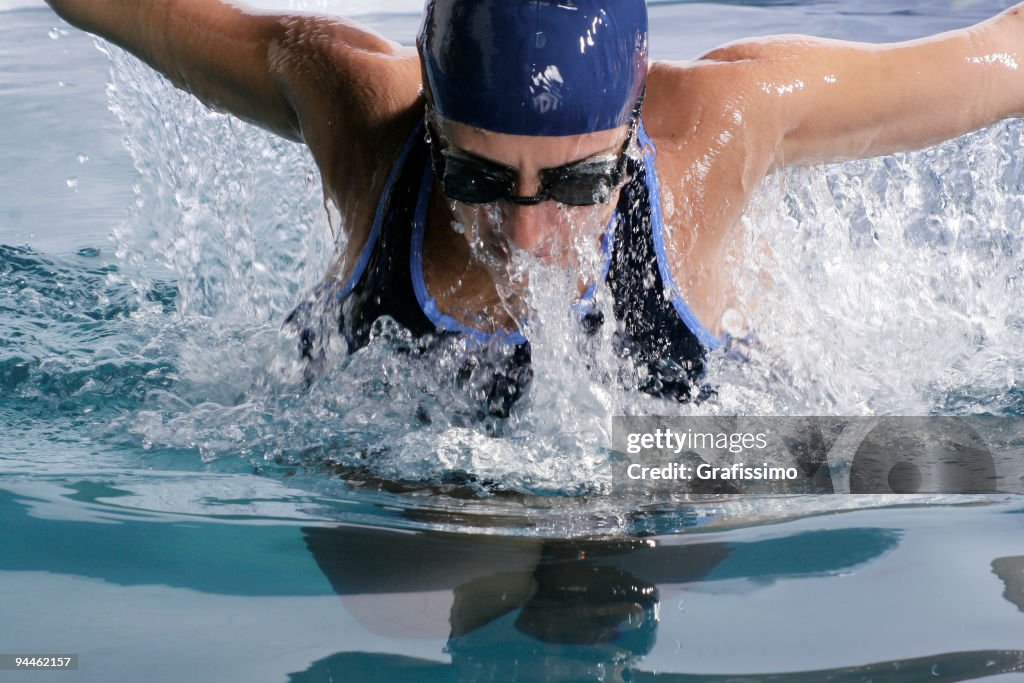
(657, 331)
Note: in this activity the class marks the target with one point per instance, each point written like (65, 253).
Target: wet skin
(720, 123)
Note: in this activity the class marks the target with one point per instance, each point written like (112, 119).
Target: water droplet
(72, 182)
(54, 33)
(82, 158)
(734, 324)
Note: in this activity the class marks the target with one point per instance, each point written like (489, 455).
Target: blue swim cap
(535, 67)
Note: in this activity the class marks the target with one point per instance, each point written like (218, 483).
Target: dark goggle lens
(473, 183)
(583, 184)
(581, 190)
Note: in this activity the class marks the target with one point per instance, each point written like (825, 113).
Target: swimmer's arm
(281, 72)
(831, 100)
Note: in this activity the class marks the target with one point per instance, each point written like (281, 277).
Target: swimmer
(518, 126)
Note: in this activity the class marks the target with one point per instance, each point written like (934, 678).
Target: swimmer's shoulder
(714, 147)
(683, 97)
(358, 98)
(350, 86)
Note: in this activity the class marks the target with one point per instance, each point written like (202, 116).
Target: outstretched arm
(832, 100)
(269, 69)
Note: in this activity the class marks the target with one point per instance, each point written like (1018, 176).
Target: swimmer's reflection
(519, 609)
(1011, 571)
(510, 608)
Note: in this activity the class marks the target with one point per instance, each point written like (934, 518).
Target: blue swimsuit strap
(442, 321)
(703, 334)
(586, 304)
(378, 218)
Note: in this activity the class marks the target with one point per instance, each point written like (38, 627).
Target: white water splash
(896, 290)
(896, 284)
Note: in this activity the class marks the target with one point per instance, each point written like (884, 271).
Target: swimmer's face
(548, 231)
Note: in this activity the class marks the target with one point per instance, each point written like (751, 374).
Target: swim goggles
(471, 179)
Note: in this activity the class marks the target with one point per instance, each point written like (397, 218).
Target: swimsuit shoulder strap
(656, 323)
(642, 229)
(380, 285)
(384, 215)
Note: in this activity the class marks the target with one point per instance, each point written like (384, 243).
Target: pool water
(177, 504)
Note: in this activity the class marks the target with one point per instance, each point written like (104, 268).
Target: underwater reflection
(529, 609)
(1011, 571)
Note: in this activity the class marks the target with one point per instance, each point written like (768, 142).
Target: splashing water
(896, 285)
(889, 286)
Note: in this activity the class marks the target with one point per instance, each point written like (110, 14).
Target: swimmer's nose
(529, 228)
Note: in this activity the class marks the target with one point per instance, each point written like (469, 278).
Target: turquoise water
(176, 504)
